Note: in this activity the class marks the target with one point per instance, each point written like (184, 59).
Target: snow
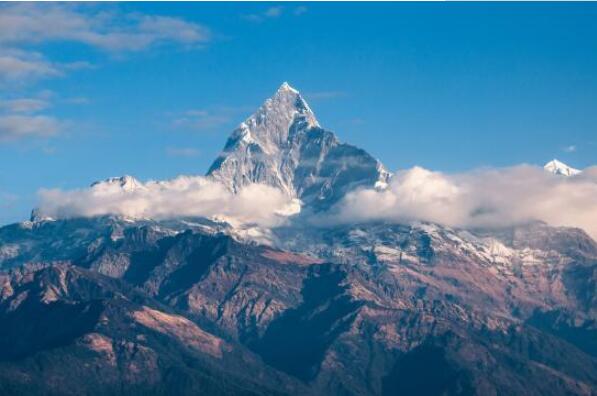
(246, 135)
(126, 183)
(559, 168)
(286, 87)
(282, 137)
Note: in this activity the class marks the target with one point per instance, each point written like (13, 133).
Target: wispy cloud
(182, 151)
(25, 117)
(14, 127)
(17, 65)
(24, 105)
(269, 13)
(31, 23)
(569, 149)
(24, 26)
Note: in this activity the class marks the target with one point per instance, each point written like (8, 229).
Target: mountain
(282, 145)
(189, 305)
(357, 309)
(126, 183)
(559, 168)
(69, 331)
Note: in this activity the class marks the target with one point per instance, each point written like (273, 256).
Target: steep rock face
(282, 145)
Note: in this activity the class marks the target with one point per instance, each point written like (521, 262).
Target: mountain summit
(282, 145)
(559, 168)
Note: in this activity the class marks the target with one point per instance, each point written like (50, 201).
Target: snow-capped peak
(269, 126)
(559, 168)
(126, 182)
(286, 87)
(283, 146)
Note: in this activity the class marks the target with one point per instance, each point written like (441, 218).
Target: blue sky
(154, 89)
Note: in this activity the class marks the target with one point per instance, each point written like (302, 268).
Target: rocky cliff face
(187, 306)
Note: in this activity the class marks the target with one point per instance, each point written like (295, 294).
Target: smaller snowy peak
(126, 182)
(559, 168)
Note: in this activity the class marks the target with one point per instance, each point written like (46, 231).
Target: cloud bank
(184, 196)
(479, 198)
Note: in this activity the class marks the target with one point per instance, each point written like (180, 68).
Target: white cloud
(269, 13)
(480, 198)
(17, 126)
(180, 197)
(20, 118)
(570, 149)
(24, 105)
(26, 25)
(31, 23)
(18, 65)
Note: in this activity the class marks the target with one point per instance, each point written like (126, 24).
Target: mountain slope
(66, 330)
(351, 327)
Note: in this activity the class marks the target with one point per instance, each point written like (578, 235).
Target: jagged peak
(283, 146)
(269, 126)
(126, 182)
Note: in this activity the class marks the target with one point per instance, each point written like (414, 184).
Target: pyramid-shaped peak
(270, 125)
(282, 145)
(285, 87)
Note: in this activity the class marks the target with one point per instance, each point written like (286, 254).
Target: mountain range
(112, 304)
